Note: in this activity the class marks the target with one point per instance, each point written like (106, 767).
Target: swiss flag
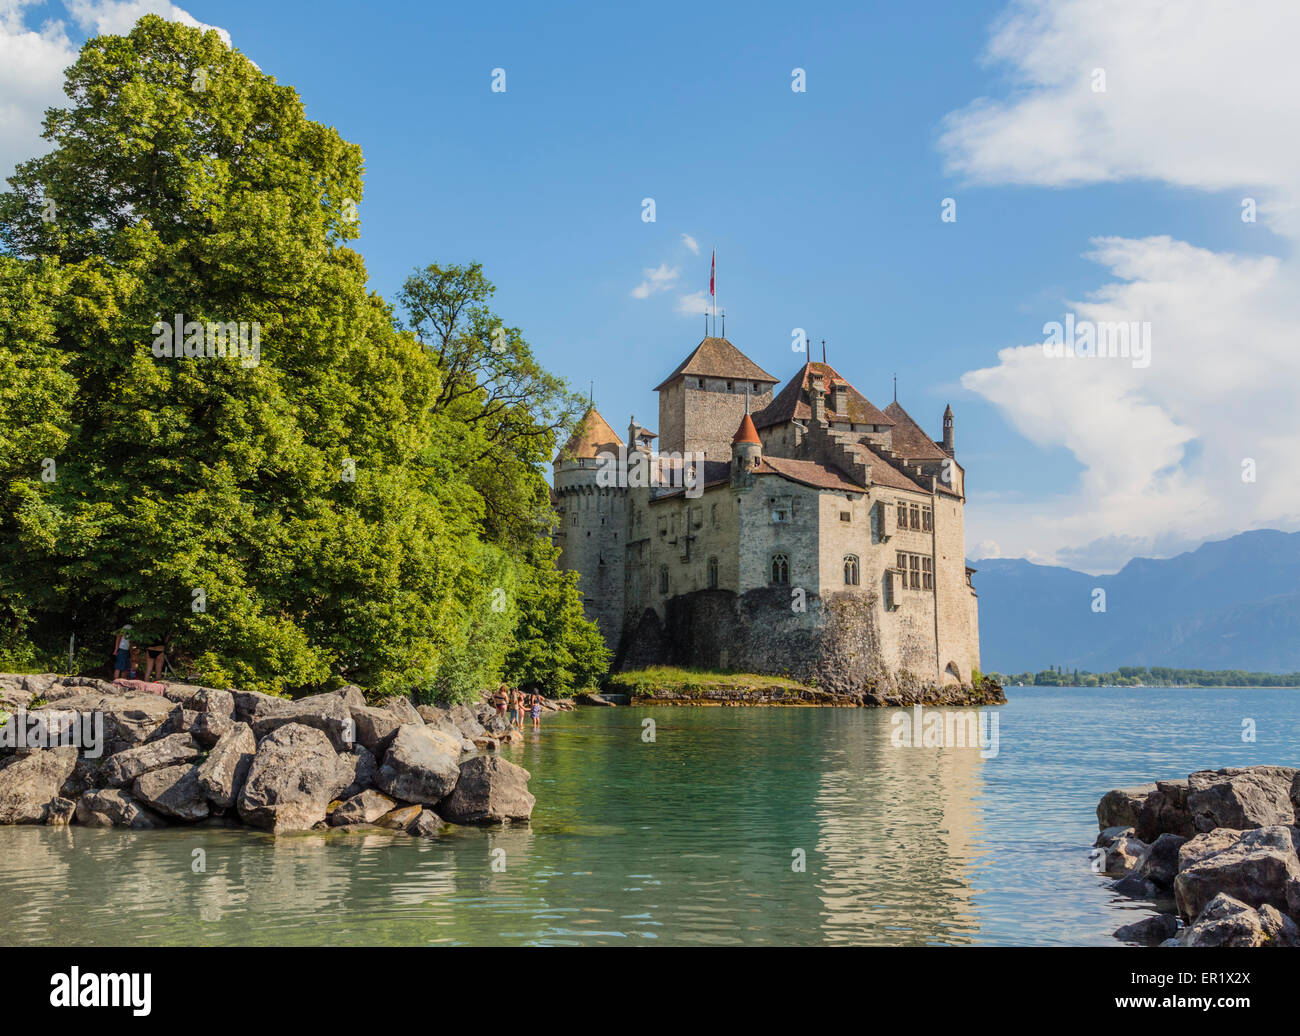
(713, 270)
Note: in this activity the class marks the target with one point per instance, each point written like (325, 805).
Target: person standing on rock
(515, 719)
(501, 700)
(537, 711)
(122, 648)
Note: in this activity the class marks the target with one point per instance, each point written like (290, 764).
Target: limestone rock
(129, 718)
(113, 807)
(1241, 798)
(490, 791)
(1150, 931)
(1165, 811)
(365, 808)
(1226, 921)
(1107, 837)
(360, 768)
(29, 784)
(252, 705)
(324, 712)
(1120, 807)
(374, 728)
(173, 791)
(223, 773)
(294, 777)
(1159, 863)
(427, 825)
(400, 819)
(1252, 866)
(209, 728)
(215, 702)
(1123, 854)
(122, 769)
(419, 766)
(60, 812)
(403, 710)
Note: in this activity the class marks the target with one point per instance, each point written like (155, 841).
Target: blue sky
(824, 208)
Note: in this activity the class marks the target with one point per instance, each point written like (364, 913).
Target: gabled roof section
(592, 437)
(792, 402)
(718, 358)
(808, 473)
(883, 473)
(909, 439)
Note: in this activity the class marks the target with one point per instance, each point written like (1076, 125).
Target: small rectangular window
(927, 574)
(916, 517)
(846, 516)
(914, 563)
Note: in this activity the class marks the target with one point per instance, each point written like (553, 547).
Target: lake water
(690, 839)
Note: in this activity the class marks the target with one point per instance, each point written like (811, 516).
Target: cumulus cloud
(661, 278)
(33, 57)
(1198, 99)
(692, 305)
(691, 243)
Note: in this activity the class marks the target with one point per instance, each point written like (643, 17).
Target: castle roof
(882, 472)
(792, 403)
(592, 437)
(909, 439)
(718, 358)
(808, 473)
(746, 432)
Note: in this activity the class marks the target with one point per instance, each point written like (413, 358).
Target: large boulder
(1159, 862)
(400, 819)
(113, 807)
(1120, 807)
(373, 727)
(122, 769)
(214, 702)
(29, 784)
(440, 719)
(403, 710)
(210, 727)
(1150, 931)
(1253, 866)
(252, 705)
(365, 808)
(173, 791)
(324, 712)
(179, 721)
(490, 791)
(1122, 855)
(1226, 921)
(294, 777)
(129, 718)
(223, 772)
(420, 765)
(1241, 798)
(1165, 811)
(463, 716)
(360, 767)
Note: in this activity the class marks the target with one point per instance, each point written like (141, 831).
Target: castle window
(927, 519)
(915, 566)
(851, 570)
(916, 517)
(713, 515)
(927, 574)
(701, 382)
(902, 515)
(730, 386)
(713, 573)
(663, 579)
(846, 516)
(574, 519)
(902, 567)
(780, 569)
(780, 515)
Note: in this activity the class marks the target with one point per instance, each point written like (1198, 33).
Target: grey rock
(1134, 886)
(129, 717)
(113, 807)
(361, 768)
(60, 812)
(1252, 866)
(1165, 811)
(1120, 807)
(173, 791)
(498, 724)
(179, 721)
(294, 777)
(427, 825)
(374, 728)
(403, 710)
(440, 719)
(1150, 931)
(252, 705)
(29, 784)
(210, 727)
(365, 808)
(418, 766)
(122, 769)
(400, 819)
(1108, 837)
(223, 773)
(1159, 863)
(1122, 855)
(490, 791)
(215, 702)
(1241, 798)
(1226, 921)
(325, 712)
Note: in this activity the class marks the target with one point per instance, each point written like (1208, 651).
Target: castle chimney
(817, 397)
(949, 436)
(840, 398)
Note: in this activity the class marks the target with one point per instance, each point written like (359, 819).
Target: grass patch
(657, 678)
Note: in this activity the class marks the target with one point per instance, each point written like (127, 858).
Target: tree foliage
(339, 505)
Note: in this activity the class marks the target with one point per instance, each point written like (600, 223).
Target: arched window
(851, 570)
(780, 569)
(713, 573)
(663, 579)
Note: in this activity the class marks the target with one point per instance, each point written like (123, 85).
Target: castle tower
(701, 402)
(746, 451)
(593, 519)
(949, 437)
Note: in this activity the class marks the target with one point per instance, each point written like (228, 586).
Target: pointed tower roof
(592, 437)
(718, 358)
(909, 439)
(746, 433)
(792, 403)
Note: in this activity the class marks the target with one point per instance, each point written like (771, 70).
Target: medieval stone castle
(819, 538)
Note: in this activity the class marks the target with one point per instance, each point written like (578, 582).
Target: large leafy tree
(339, 505)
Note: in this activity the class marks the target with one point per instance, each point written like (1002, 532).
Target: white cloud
(692, 305)
(660, 278)
(1202, 99)
(32, 61)
(691, 243)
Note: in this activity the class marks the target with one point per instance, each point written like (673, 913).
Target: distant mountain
(1231, 604)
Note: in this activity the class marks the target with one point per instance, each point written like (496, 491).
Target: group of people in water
(513, 701)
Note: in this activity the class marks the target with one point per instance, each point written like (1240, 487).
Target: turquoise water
(689, 839)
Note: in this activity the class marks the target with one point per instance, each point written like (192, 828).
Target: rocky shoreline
(190, 754)
(742, 695)
(1217, 854)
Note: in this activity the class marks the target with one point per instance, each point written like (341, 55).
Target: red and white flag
(713, 270)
